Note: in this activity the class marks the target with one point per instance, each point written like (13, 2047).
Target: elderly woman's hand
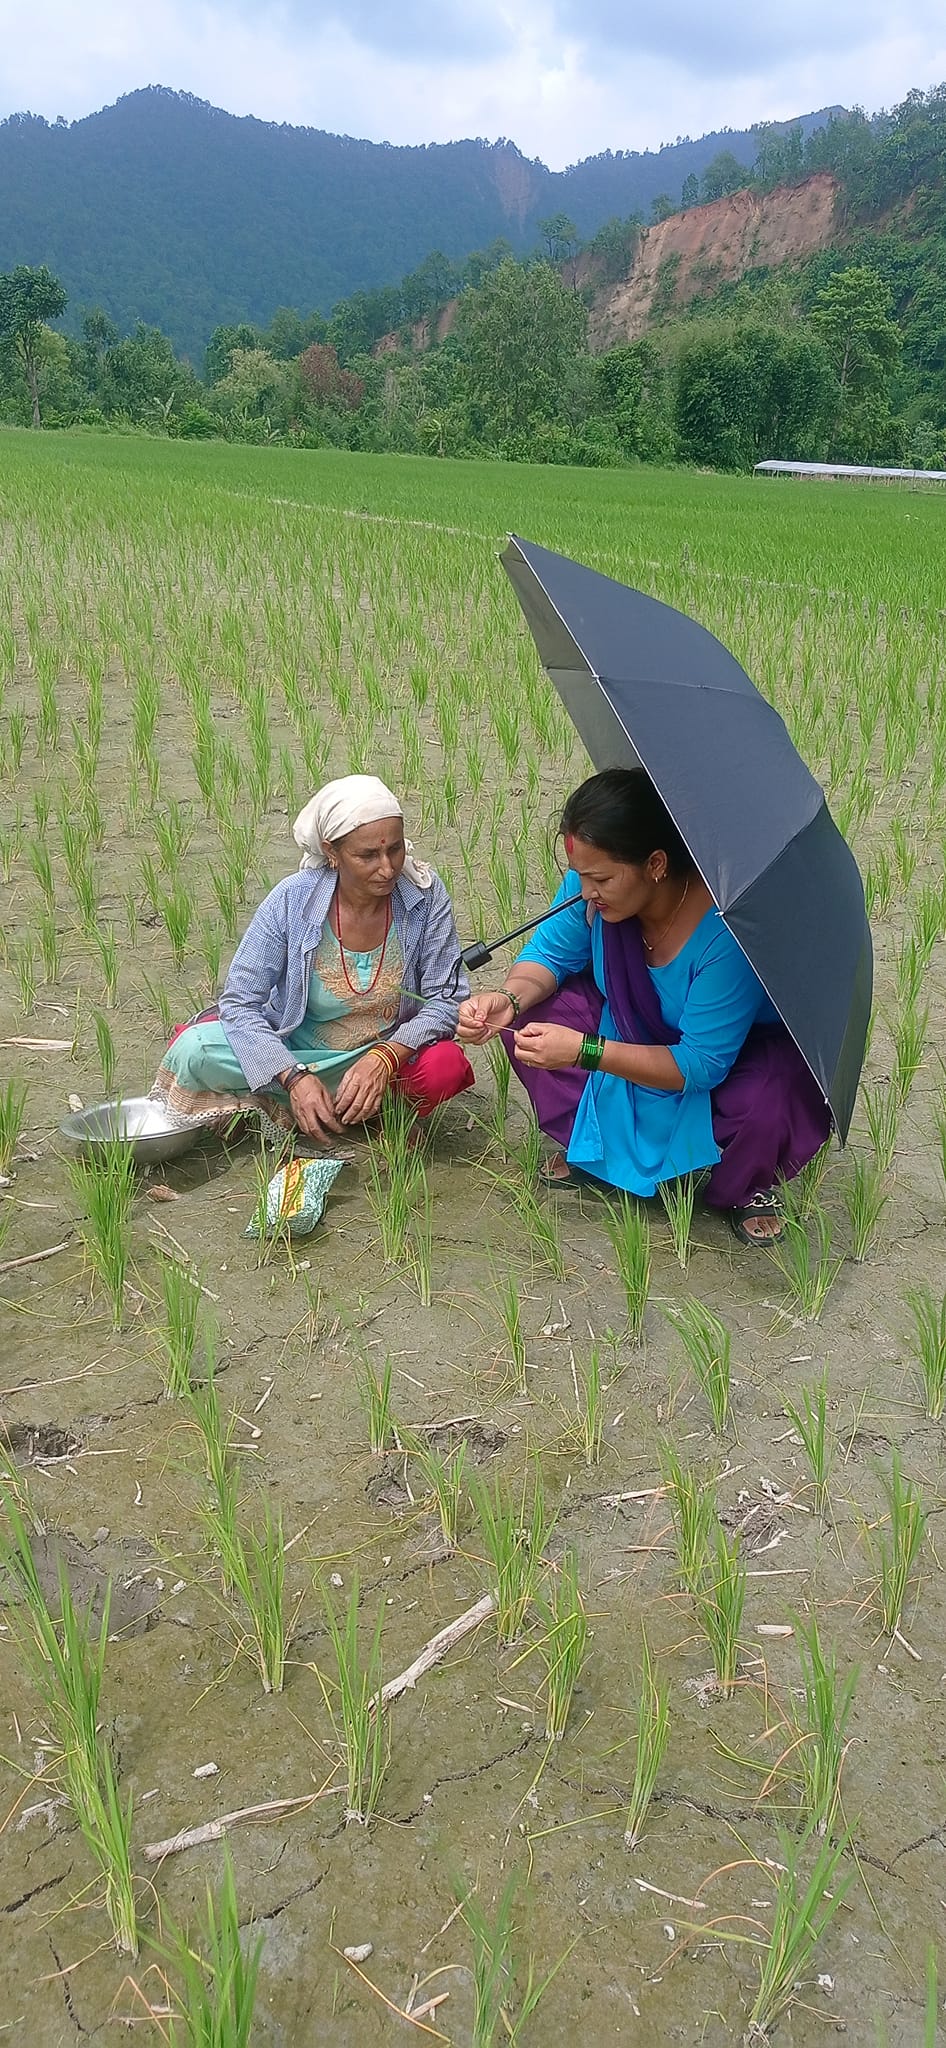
(482, 1016)
(360, 1091)
(313, 1109)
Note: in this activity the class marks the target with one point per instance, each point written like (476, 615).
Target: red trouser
(434, 1075)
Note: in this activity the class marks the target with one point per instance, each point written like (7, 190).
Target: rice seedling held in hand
(897, 1549)
(809, 1418)
(803, 1913)
(653, 1730)
(104, 1185)
(810, 1270)
(865, 1199)
(515, 1543)
(821, 1728)
(719, 1607)
(563, 1645)
(708, 1346)
(353, 1698)
(693, 1508)
(628, 1227)
(375, 1391)
(929, 1346)
(444, 1478)
(678, 1197)
(12, 1113)
(211, 1991)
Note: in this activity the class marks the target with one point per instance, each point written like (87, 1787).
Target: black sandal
(765, 1203)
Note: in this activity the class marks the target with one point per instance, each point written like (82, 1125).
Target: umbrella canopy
(646, 686)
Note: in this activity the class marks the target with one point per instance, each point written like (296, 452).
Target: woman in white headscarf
(337, 990)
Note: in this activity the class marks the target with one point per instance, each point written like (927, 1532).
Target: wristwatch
(291, 1075)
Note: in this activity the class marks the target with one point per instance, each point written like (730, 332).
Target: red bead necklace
(356, 991)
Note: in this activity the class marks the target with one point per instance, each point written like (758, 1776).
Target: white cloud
(562, 78)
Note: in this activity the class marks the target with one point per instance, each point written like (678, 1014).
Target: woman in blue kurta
(644, 1038)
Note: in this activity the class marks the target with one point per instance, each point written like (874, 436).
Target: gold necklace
(651, 943)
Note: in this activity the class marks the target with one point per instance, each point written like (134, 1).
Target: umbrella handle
(479, 952)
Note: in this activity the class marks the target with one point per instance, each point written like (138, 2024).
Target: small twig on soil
(436, 1649)
(614, 1500)
(451, 1917)
(33, 1258)
(185, 1255)
(214, 1830)
(696, 1905)
(452, 1422)
(908, 1647)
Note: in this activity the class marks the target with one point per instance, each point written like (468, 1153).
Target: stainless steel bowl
(152, 1137)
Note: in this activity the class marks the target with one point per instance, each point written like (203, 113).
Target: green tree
(519, 335)
(724, 174)
(749, 392)
(852, 314)
(28, 300)
(221, 346)
(560, 236)
(661, 208)
(690, 195)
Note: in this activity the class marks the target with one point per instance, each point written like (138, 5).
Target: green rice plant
(564, 1644)
(49, 724)
(105, 1047)
(23, 963)
(13, 1096)
(212, 1987)
(628, 1227)
(909, 1045)
(882, 1109)
(16, 737)
(444, 1478)
(146, 705)
(506, 1290)
(911, 968)
(104, 1185)
(41, 811)
(540, 1224)
(939, 1114)
(9, 852)
(928, 919)
(897, 1548)
(589, 1406)
(178, 1338)
(653, 1730)
(353, 1698)
(50, 946)
(38, 856)
(809, 1269)
(931, 2024)
(929, 1346)
(495, 1971)
(821, 1728)
(865, 1198)
(65, 1653)
(85, 891)
(719, 1607)
(802, 1192)
(393, 1167)
(803, 1912)
(254, 1568)
(173, 831)
(678, 1198)
(420, 1241)
(176, 909)
(499, 1107)
(693, 1508)
(515, 1542)
(809, 1418)
(708, 1346)
(216, 1436)
(375, 1391)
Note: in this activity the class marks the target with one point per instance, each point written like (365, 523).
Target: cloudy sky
(562, 78)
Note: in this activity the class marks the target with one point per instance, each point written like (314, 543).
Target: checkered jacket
(267, 988)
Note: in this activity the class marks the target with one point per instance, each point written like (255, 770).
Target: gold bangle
(388, 1059)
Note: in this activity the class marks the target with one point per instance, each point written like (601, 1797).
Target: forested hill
(164, 209)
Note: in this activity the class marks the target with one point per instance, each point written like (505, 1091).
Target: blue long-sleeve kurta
(635, 1137)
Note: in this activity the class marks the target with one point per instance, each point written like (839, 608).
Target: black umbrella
(647, 686)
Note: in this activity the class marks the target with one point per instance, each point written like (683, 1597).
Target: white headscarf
(339, 808)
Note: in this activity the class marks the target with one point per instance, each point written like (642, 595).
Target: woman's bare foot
(759, 1221)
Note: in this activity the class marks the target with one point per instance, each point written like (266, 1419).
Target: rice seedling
(212, 1989)
(803, 1913)
(678, 1197)
(353, 1698)
(65, 1654)
(809, 1418)
(104, 1185)
(162, 1004)
(719, 1607)
(708, 1346)
(821, 1729)
(13, 1096)
(23, 963)
(216, 1436)
(499, 1106)
(693, 1508)
(653, 1730)
(515, 1542)
(85, 891)
(882, 1109)
(50, 946)
(628, 1227)
(809, 1269)
(444, 1478)
(393, 1166)
(802, 1192)
(563, 1645)
(909, 1045)
(929, 1346)
(508, 1301)
(105, 1047)
(495, 1971)
(178, 1338)
(588, 1427)
(865, 1198)
(420, 1243)
(16, 737)
(144, 718)
(176, 910)
(173, 830)
(375, 1391)
(897, 1549)
(254, 1568)
(38, 857)
(905, 852)
(540, 1225)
